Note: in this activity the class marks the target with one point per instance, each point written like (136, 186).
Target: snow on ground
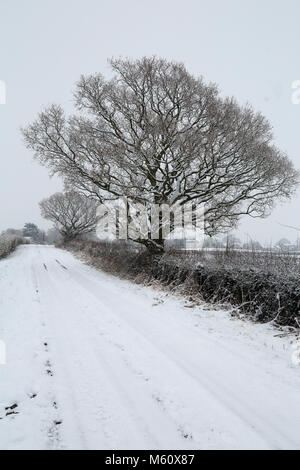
(94, 362)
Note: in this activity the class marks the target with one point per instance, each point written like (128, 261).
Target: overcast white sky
(249, 47)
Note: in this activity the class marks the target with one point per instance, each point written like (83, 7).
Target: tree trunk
(155, 247)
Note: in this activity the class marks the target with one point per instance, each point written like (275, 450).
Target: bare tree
(73, 214)
(284, 244)
(156, 134)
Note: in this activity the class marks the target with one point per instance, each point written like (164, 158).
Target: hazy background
(250, 48)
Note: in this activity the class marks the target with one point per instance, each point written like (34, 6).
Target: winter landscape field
(149, 228)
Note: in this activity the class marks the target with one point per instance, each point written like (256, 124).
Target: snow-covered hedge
(8, 244)
(264, 296)
(264, 287)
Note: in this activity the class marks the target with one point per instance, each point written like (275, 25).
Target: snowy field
(94, 362)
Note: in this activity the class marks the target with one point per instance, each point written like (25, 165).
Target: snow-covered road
(94, 362)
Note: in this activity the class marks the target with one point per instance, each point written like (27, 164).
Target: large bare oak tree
(73, 214)
(156, 134)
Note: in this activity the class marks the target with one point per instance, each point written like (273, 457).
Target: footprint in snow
(49, 370)
(10, 410)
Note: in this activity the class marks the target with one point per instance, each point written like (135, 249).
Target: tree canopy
(72, 214)
(155, 134)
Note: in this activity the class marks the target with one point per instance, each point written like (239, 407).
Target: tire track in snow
(136, 421)
(275, 436)
(127, 375)
(56, 428)
(53, 432)
(183, 373)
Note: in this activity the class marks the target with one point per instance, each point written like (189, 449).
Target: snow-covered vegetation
(8, 244)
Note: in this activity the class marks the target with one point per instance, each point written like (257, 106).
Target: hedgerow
(8, 243)
(263, 286)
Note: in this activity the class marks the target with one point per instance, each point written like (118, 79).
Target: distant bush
(8, 243)
(263, 286)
